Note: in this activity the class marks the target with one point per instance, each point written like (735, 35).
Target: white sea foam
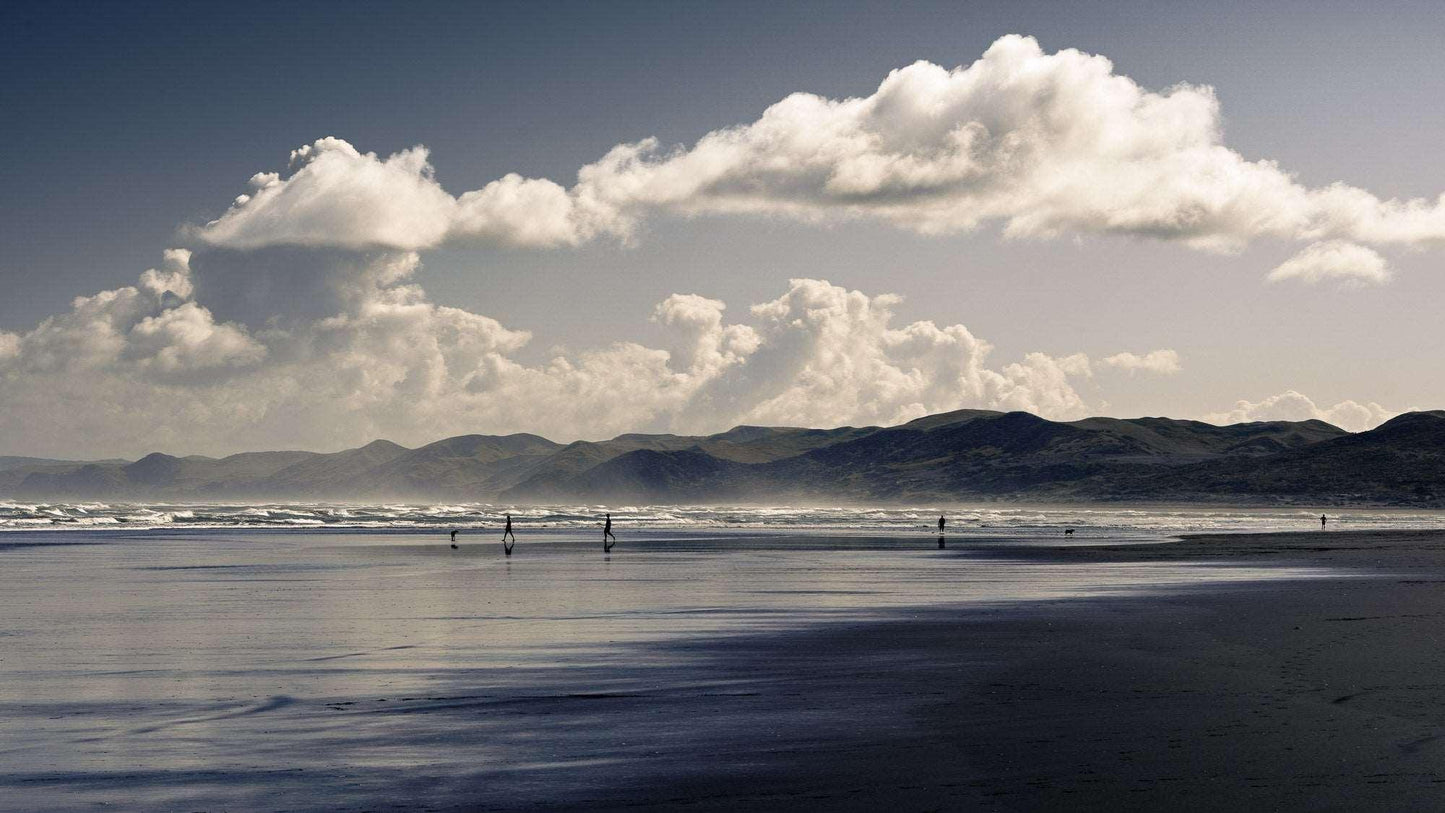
(994, 520)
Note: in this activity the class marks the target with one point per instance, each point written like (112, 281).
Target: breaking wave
(992, 520)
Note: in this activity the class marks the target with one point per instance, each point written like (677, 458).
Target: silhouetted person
(607, 534)
(506, 532)
(1322, 522)
(454, 540)
(941, 523)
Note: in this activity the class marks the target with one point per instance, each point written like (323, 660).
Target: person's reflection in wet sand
(940, 542)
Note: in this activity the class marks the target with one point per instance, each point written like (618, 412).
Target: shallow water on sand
(250, 669)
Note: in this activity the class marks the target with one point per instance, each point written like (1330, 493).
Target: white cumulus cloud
(340, 197)
(1290, 405)
(151, 367)
(1042, 143)
(146, 330)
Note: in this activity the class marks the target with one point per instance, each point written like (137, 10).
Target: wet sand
(1300, 695)
(260, 674)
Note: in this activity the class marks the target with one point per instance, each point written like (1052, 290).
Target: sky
(308, 226)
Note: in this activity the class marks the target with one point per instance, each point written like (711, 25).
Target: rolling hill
(955, 456)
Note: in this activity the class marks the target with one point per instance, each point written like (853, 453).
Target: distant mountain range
(962, 456)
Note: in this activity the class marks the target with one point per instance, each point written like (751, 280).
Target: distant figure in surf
(506, 532)
(607, 534)
(1322, 522)
(941, 523)
(454, 540)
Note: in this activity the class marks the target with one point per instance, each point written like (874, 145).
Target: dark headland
(969, 455)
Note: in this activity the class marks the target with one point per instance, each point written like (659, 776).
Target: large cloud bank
(293, 321)
(149, 366)
(1043, 144)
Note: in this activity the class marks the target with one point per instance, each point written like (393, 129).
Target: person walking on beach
(506, 532)
(941, 523)
(607, 533)
(1322, 522)
(454, 538)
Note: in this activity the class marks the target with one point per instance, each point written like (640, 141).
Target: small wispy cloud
(1162, 362)
(1336, 261)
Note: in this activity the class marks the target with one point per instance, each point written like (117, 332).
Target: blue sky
(127, 122)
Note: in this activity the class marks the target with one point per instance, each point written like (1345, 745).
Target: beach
(1283, 696)
(245, 670)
